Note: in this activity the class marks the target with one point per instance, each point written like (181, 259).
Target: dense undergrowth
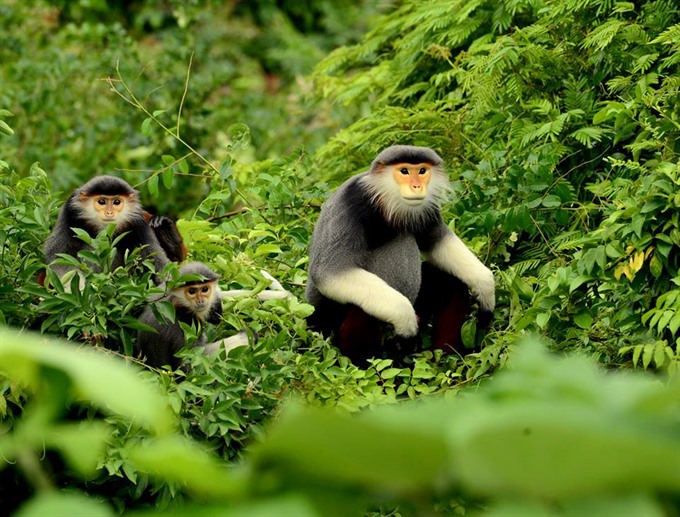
(559, 122)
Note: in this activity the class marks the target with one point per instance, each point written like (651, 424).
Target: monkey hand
(406, 323)
(484, 318)
(159, 220)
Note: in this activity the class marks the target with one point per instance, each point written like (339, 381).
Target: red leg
(443, 301)
(359, 336)
(448, 321)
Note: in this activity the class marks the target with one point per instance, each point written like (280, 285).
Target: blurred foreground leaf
(109, 384)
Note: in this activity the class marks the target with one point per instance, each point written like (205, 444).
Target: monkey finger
(407, 327)
(157, 221)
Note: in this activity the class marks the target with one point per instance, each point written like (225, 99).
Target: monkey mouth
(413, 200)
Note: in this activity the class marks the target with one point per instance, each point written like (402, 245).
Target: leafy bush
(488, 446)
(26, 208)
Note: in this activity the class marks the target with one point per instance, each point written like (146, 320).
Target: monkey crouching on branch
(195, 302)
(102, 201)
(365, 267)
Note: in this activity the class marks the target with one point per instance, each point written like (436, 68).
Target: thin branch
(229, 214)
(184, 94)
(135, 102)
(545, 239)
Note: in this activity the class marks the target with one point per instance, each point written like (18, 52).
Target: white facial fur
(453, 256)
(374, 296)
(387, 194)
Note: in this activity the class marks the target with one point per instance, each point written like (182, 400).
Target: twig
(184, 94)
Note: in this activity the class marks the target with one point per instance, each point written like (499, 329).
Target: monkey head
(406, 182)
(198, 296)
(106, 200)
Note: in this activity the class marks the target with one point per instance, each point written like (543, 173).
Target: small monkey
(198, 302)
(102, 201)
(365, 267)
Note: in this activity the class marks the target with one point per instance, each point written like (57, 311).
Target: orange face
(199, 295)
(412, 179)
(109, 208)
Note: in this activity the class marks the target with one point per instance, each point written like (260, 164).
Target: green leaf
(73, 504)
(266, 249)
(4, 128)
(239, 134)
(542, 319)
(583, 320)
(152, 185)
(292, 505)
(387, 450)
(168, 177)
(183, 166)
(659, 355)
(146, 126)
(82, 444)
(551, 201)
(226, 170)
(647, 355)
(180, 460)
(108, 383)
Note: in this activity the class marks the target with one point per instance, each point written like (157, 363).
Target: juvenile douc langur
(198, 302)
(365, 267)
(102, 201)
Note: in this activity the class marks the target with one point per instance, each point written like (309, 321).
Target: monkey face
(101, 210)
(198, 297)
(109, 208)
(412, 180)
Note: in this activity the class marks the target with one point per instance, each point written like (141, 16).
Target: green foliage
(25, 220)
(239, 68)
(102, 310)
(492, 442)
(486, 445)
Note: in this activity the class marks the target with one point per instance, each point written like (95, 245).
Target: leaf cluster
(486, 448)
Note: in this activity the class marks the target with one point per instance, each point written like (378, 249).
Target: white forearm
(372, 294)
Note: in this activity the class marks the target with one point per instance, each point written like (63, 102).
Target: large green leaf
(106, 382)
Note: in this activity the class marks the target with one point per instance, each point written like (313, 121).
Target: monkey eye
(101, 201)
(403, 170)
(117, 201)
(192, 290)
(423, 170)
